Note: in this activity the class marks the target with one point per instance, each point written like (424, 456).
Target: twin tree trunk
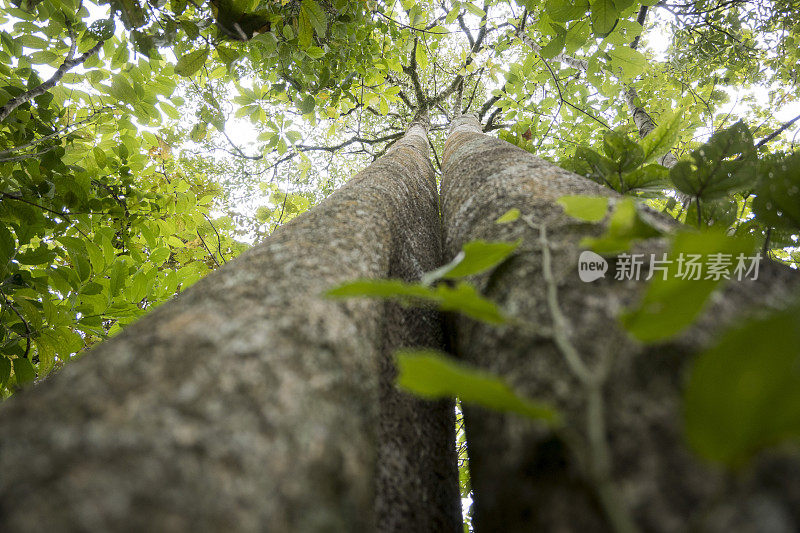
(251, 402)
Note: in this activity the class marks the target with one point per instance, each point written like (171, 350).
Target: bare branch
(411, 70)
(42, 88)
(239, 150)
(475, 47)
(777, 132)
(393, 136)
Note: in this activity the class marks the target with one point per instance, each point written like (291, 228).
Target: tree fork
(621, 463)
(251, 402)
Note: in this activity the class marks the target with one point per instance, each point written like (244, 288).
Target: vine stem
(592, 382)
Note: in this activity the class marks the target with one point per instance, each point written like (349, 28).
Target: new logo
(591, 266)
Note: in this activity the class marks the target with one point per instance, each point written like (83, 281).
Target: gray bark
(527, 478)
(644, 123)
(251, 402)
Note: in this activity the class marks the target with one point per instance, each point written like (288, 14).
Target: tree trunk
(251, 402)
(624, 465)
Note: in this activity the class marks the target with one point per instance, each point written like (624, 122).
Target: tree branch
(777, 132)
(411, 70)
(474, 49)
(42, 88)
(641, 20)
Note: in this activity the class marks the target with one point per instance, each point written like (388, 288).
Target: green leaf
(23, 370)
(227, 55)
(422, 57)
(433, 375)
(661, 140)
(672, 302)
(190, 63)
(95, 256)
(777, 202)
(305, 33)
(588, 208)
(626, 153)
(601, 168)
(5, 370)
(8, 247)
(475, 10)
(577, 35)
(41, 255)
(509, 216)
(475, 257)
(315, 52)
(604, 17)
(624, 227)
(564, 11)
(626, 62)
(725, 164)
(119, 273)
(316, 15)
(81, 265)
(462, 298)
(122, 90)
(159, 256)
(744, 393)
(99, 156)
(555, 46)
(651, 177)
(307, 105)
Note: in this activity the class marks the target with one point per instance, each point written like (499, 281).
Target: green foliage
(623, 167)
(663, 137)
(744, 393)
(588, 208)
(624, 227)
(723, 165)
(777, 202)
(462, 297)
(673, 300)
(509, 216)
(604, 17)
(191, 62)
(433, 375)
(475, 257)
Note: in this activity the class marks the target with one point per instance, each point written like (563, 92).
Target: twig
(387, 17)
(219, 239)
(42, 88)
(207, 250)
(599, 453)
(777, 132)
(28, 332)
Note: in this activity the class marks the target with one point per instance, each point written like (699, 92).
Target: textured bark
(251, 402)
(527, 479)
